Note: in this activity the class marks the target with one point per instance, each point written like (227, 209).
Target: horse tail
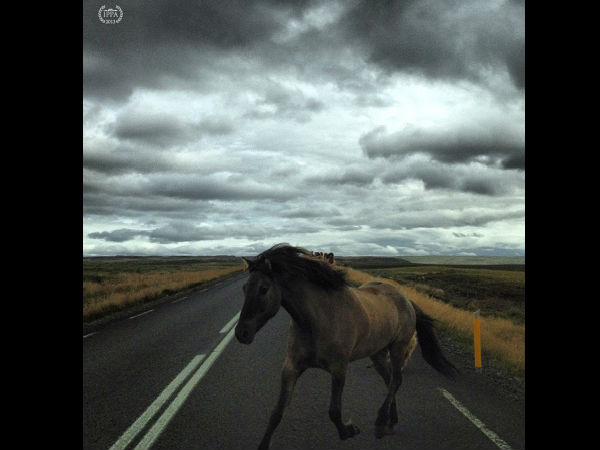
(430, 346)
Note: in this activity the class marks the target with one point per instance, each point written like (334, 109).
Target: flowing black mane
(287, 262)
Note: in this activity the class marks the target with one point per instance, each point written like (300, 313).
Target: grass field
(465, 260)
(497, 291)
(503, 340)
(113, 284)
(448, 293)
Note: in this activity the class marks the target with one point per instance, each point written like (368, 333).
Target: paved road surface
(176, 378)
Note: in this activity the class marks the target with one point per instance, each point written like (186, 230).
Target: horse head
(262, 300)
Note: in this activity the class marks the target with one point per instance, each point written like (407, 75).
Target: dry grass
(128, 288)
(502, 340)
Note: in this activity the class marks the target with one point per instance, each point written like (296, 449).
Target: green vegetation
(497, 291)
(465, 260)
(503, 339)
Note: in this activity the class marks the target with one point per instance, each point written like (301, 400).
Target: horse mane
(288, 262)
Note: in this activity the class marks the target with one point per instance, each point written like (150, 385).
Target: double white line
(204, 364)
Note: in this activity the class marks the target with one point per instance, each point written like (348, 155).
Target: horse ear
(247, 263)
(268, 265)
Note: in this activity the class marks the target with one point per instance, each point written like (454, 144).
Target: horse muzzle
(245, 333)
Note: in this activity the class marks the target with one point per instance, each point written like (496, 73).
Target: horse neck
(305, 302)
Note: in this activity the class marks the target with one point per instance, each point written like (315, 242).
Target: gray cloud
(164, 130)
(490, 142)
(352, 176)
(447, 40)
(477, 235)
(158, 129)
(442, 219)
(226, 126)
(161, 44)
(280, 102)
(161, 41)
(186, 231)
(187, 187)
(121, 235)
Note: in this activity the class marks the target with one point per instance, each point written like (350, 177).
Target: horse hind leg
(399, 352)
(387, 415)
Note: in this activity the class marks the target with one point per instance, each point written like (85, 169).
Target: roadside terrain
(173, 376)
(117, 286)
(113, 284)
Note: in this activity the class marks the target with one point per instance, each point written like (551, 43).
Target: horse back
(390, 316)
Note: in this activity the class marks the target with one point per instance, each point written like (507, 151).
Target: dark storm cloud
(191, 187)
(153, 189)
(473, 178)
(516, 161)
(165, 130)
(160, 43)
(159, 130)
(137, 206)
(463, 143)
(448, 40)
(161, 40)
(254, 137)
(125, 161)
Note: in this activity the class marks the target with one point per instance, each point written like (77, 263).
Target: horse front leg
(289, 376)
(338, 379)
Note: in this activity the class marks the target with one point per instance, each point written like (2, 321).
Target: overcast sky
(359, 127)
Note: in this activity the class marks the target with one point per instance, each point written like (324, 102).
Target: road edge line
(475, 421)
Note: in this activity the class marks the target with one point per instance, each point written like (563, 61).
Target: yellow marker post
(477, 340)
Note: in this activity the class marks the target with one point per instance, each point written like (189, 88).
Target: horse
(332, 325)
(327, 257)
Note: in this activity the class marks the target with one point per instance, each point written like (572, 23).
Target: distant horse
(327, 257)
(334, 324)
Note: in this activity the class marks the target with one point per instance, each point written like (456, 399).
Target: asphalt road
(174, 377)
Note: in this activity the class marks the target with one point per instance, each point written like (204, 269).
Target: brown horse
(334, 324)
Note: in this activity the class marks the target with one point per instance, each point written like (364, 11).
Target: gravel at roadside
(510, 384)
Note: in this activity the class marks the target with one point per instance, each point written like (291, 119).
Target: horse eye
(263, 290)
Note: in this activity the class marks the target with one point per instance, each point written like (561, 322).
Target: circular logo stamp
(110, 15)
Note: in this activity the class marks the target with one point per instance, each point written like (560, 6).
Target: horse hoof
(351, 431)
(383, 430)
(264, 446)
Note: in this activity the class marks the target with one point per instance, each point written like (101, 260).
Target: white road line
(478, 423)
(179, 299)
(230, 324)
(90, 334)
(172, 409)
(141, 314)
(141, 422)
